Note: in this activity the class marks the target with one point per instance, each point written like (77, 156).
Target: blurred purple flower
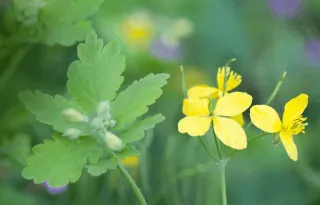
(54, 191)
(166, 50)
(312, 50)
(286, 8)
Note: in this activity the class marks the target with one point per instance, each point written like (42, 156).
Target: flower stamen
(297, 125)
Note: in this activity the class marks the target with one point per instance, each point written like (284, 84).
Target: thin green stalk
(207, 149)
(217, 144)
(250, 141)
(277, 88)
(133, 185)
(183, 82)
(13, 65)
(273, 94)
(223, 184)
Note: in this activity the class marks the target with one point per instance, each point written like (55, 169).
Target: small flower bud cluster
(104, 119)
(99, 125)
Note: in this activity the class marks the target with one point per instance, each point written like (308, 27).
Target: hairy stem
(133, 185)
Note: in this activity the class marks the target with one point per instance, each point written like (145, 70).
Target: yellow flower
(137, 29)
(198, 118)
(204, 91)
(267, 119)
(131, 161)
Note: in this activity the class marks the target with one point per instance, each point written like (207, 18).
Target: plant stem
(217, 144)
(183, 82)
(277, 88)
(13, 65)
(132, 184)
(223, 184)
(207, 149)
(273, 94)
(250, 141)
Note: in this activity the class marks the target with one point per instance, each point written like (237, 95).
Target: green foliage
(51, 21)
(140, 94)
(102, 166)
(60, 160)
(129, 150)
(93, 79)
(17, 147)
(11, 196)
(136, 132)
(48, 109)
(97, 75)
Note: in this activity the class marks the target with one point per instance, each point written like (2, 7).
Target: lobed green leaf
(137, 131)
(60, 161)
(134, 101)
(48, 109)
(102, 166)
(96, 76)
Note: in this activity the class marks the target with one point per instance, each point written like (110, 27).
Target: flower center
(298, 125)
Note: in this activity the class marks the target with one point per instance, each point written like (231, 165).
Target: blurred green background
(266, 37)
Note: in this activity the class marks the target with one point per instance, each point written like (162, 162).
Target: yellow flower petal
(233, 79)
(265, 118)
(233, 104)
(221, 76)
(230, 132)
(289, 145)
(194, 126)
(238, 119)
(130, 161)
(203, 91)
(196, 107)
(294, 108)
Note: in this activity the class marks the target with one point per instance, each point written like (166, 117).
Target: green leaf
(134, 101)
(60, 161)
(65, 34)
(102, 166)
(48, 109)
(96, 76)
(58, 12)
(136, 132)
(129, 150)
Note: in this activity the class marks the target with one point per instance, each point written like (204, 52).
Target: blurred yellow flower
(233, 81)
(131, 161)
(267, 119)
(137, 29)
(198, 117)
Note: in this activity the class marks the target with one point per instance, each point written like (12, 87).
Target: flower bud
(276, 139)
(113, 142)
(72, 133)
(96, 123)
(73, 115)
(103, 108)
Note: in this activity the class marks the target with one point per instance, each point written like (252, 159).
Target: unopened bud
(113, 142)
(103, 108)
(72, 133)
(73, 115)
(276, 139)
